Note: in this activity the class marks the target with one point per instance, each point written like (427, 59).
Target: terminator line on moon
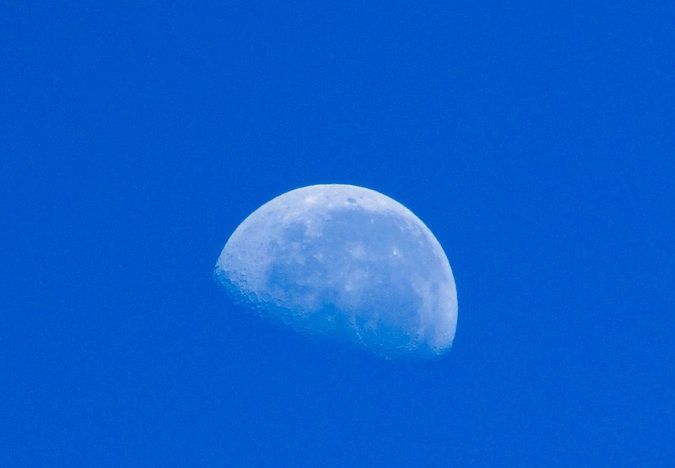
(347, 263)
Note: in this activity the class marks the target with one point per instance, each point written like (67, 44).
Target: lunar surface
(345, 263)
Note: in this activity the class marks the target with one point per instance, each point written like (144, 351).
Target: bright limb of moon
(345, 262)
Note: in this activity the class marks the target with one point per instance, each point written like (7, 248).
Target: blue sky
(536, 142)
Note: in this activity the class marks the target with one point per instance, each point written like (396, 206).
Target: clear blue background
(537, 142)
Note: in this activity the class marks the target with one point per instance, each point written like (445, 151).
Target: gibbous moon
(346, 263)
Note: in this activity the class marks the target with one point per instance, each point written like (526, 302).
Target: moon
(345, 263)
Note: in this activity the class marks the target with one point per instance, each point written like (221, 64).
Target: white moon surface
(345, 262)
